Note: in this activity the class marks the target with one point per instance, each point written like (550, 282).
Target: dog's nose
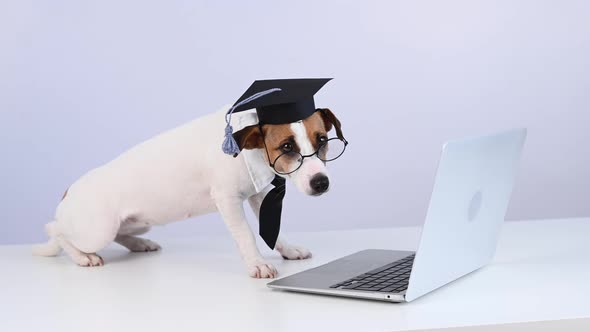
(319, 183)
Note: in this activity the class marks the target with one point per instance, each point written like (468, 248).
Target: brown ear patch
(331, 120)
(249, 138)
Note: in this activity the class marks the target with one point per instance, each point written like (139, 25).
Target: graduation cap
(276, 102)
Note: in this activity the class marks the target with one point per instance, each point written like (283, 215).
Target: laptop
(471, 192)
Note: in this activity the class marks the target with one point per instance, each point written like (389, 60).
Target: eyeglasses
(289, 162)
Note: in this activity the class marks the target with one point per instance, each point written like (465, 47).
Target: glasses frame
(316, 153)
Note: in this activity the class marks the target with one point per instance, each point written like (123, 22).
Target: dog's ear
(249, 138)
(331, 120)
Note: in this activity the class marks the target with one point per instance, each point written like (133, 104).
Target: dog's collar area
(259, 172)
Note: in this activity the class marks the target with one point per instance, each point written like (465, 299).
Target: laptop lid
(471, 192)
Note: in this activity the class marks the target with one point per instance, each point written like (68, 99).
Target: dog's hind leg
(128, 239)
(82, 235)
(81, 258)
(57, 242)
(137, 244)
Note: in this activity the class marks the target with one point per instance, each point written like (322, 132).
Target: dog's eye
(323, 139)
(287, 147)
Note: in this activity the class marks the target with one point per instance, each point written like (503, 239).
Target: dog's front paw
(261, 269)
(294, 252)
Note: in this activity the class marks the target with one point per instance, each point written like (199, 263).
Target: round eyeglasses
(289, 162)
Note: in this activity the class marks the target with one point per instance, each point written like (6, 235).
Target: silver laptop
(471, 192)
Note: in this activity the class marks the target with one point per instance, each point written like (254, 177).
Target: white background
(81, 81)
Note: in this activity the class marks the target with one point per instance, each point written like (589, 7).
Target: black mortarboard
(276, 102)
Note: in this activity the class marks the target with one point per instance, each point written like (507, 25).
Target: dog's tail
(52, 247)
(49, 249)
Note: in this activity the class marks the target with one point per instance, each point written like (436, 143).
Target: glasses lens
(288, 162)
(333, 149)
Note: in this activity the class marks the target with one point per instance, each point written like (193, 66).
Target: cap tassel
(229, 145)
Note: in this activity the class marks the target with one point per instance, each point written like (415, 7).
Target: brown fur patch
(329, 120)
(315, 126)
(249, 138)
(65, 194)
(277, 135)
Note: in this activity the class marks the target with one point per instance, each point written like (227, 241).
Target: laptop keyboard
(391, 278)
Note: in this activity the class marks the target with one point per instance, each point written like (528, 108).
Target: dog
(183, 173)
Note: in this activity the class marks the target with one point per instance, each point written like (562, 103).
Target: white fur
(179, 174)
(311, 165)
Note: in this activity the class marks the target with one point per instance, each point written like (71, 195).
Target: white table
(541, 272)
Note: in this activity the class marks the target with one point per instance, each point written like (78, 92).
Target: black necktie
(270, 212)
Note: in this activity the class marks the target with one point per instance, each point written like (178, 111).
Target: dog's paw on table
(261, 270)
(137, 244)
(83, 259)
(294, 252)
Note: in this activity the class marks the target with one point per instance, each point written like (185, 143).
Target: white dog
(183, 173)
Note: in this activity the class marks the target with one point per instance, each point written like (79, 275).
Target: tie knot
(278, 181)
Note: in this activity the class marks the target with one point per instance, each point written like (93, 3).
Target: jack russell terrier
(182, 173)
